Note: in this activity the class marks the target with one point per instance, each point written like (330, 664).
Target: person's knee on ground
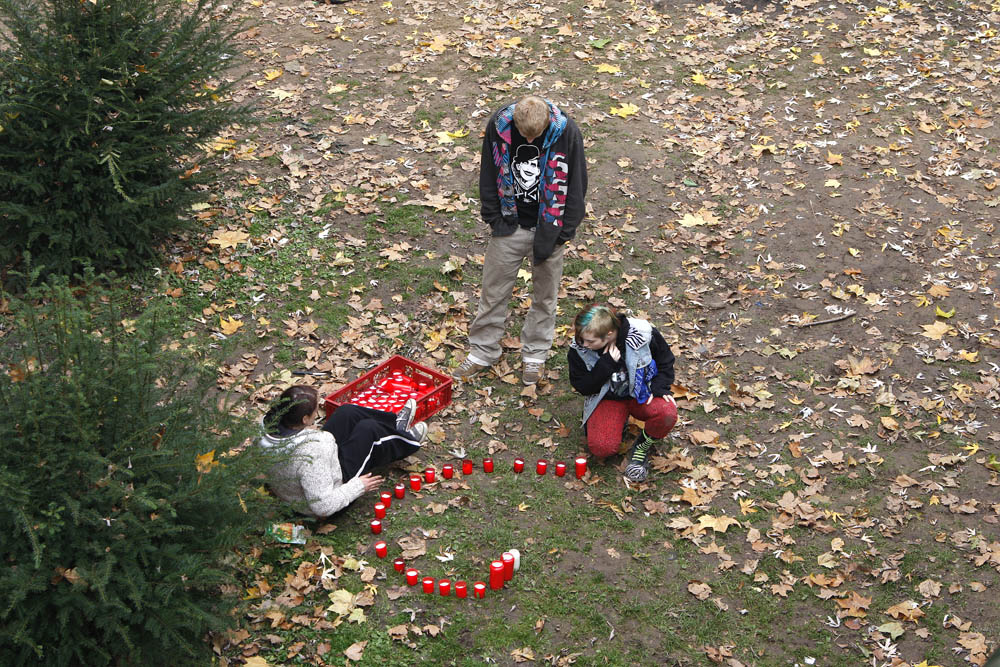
(602, 445)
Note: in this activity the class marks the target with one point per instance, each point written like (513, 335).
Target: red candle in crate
(496, 575)
(542, 466)
(412, 576)
(466, 467)
(381, 549)
(479, 590)
(429, 475)
(379, 511)
(560, 469)
(487, 465)
(386, 499)
(399, 564)
(428, 584)
(415, 482)
(518, 464)
(400, 490)
(444, 588)
(508, 565)
(581, 467)
(448, 471)
(376, 526)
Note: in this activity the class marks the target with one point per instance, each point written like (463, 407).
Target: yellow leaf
(512, 42)
(747, 506)
(605, 68)
(832, 183)
(818, 59)
(691, 220)
(834, 158)
(272, 74)
(625, 110)
(943, 313)
(854, 252)
(337, 88)
(699, 79)
(458, 134)
(566, 30)
(280, 95)
(257, 661)
(872, 52)
(719, 524)
(438, 44)
(444, 138)
(228, 239)
(205, 462)
(229, 325)
(936, 331)
(971, 357)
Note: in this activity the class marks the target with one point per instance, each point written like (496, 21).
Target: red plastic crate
(429, 401)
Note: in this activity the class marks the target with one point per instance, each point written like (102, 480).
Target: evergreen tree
(103, 107)
(121, 492)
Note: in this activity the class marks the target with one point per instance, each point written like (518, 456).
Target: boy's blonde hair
(597, 320)
(531, 116)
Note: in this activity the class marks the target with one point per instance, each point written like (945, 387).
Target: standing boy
(532, 183)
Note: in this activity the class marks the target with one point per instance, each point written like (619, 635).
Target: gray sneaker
(469, 369)
(531, 372)
(404, 418)
(418, 431)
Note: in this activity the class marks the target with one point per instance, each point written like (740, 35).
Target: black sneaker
(404, 418)
(637, 469)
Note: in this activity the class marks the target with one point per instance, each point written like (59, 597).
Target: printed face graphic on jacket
(526, 173)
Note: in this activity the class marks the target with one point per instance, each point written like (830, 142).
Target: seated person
(623, 367)
(328, 469)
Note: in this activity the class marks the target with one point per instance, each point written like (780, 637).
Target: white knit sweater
(311, 476)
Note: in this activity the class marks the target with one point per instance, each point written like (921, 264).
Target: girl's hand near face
(613, 350)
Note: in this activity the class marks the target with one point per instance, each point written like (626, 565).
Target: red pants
(607, 421)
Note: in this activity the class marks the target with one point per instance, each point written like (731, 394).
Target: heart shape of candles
(502, 569)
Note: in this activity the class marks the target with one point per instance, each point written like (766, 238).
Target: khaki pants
(504, 256)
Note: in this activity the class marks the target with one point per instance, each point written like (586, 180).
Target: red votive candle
(581, 467)
(542, 466)
(466, 467)
(479, 590)
(461, 589)
(415, 482)
(412, 576)
(508, 566)
(400, 490)
(444, 588)
(560, 469)
(518, 465)
(399, 564)
(386, 499)
(429, 475)
(376, 526)
(487, 465)
(428, 584)
(379, 511)
(447, 471)
(381, 549)
(496, 575)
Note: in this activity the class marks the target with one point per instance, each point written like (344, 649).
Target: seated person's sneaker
(406, 414)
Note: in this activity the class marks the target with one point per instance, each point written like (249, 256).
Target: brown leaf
(699, 589)
(356, 650)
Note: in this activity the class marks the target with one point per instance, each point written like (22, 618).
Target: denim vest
(638, 362)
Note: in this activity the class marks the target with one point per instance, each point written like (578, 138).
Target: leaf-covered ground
(800, 196)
